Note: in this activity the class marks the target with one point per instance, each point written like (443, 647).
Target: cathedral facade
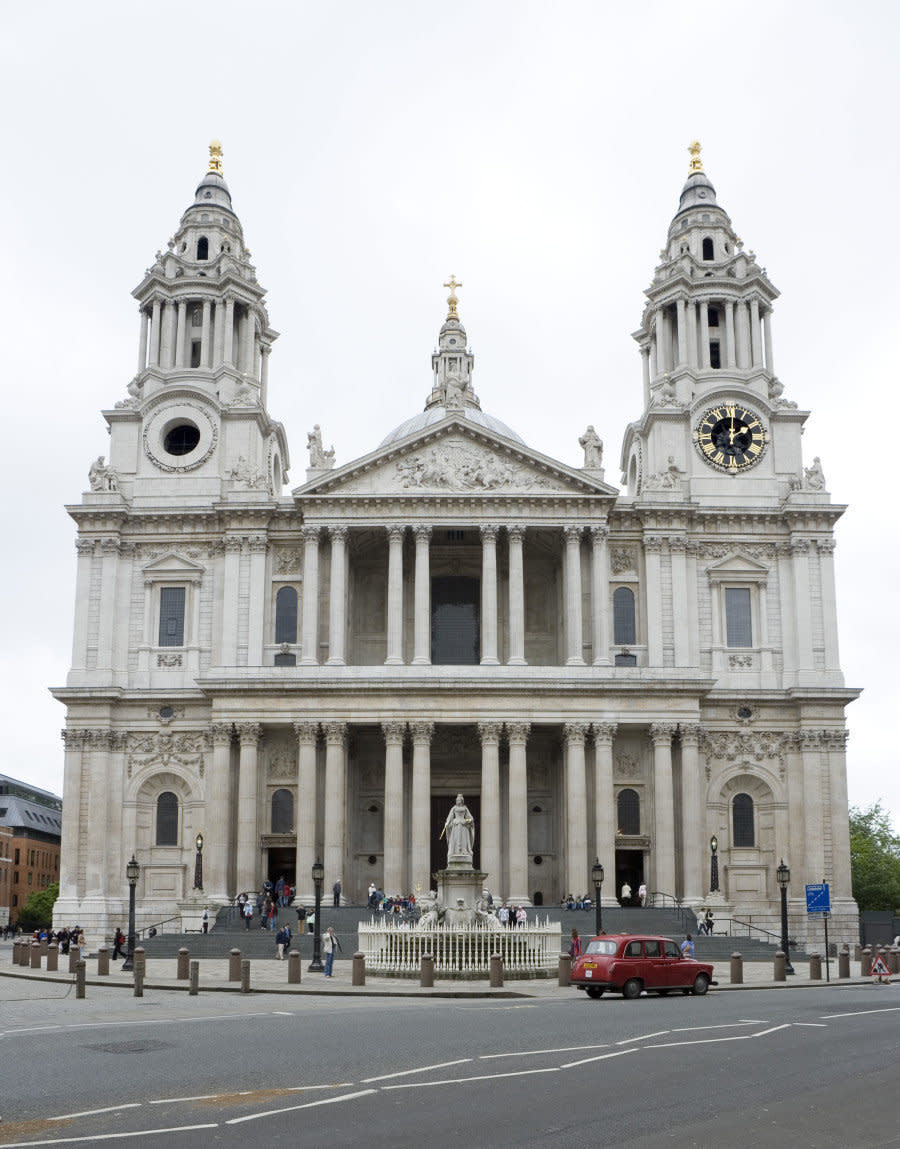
(622, 676)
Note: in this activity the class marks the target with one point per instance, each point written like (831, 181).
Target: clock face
(731, 437)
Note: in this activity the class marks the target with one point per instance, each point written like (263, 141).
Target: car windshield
(601, 947)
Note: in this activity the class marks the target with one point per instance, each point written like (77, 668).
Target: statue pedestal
(460, 880)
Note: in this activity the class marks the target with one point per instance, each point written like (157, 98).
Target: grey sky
(534, 150)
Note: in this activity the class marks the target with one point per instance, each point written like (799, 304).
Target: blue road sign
(818, 899)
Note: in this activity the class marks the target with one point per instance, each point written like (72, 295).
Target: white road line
(601, 1057)
(421, 1069)
(91, 1112)
(282, 1013)
(812, 1024)
(467, 1080)
(112, 1136)
(713, 1040)
(644, 1037)
(539, 1052)
(175, 1100)
(725, 1025)
(859, 1012)
(306, 1105)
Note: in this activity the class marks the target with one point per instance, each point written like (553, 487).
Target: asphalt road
(809, 1067)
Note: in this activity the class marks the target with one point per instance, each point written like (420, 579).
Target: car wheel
(631, 988)
(701, 984)
(594, 991)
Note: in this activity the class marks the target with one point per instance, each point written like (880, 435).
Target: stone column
(205, 356)
(786, 595)
(115, 802)
(85, 562)
(577, 868)
(730, 357)
(422, 611)
(337, 615)
(98, 742)
(653, 598)
(395, 596)
(309, 639)
(691, 315)
(489, 596)
(704, 333)
(517, 866)
(217, 832)
(259, 545)
(180, 329)
(230, 595)
(155, 333)
(167, 343)
(106, 628)
(516, 536)
(265, 350)
(742, 323)
(767, 340)
(812, 862)
(755, 333)
(394, 837)
(693, 814)
(335, 801)
(605, 804)
(305, 813)
(649, 366)
(600, 594)
(802, 610)
(70, 845)
(825, 548)
(836, 754)
(574, 635)
(421, 804)
(248, 876)
(682, 335)
(142, 343)
(228, 344)
(680, 592)
(490, 803)
(663, 808)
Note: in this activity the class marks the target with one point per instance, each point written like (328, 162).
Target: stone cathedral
(605, 674)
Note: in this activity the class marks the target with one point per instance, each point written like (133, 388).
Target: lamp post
(198, 864)
(597, 875)
(132, 872)
(714, 865)
(318, 876)
(783, 875)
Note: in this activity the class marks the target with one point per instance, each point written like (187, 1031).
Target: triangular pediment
(738, 566)
(172, 565)
(455, 457)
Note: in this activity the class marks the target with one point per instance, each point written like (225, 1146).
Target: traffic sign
(879, 969)
(818, 898)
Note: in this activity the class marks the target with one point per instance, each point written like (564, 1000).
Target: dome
(436, 414)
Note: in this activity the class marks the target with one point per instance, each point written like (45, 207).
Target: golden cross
(451, 299)
(696, 162)
(215, 157)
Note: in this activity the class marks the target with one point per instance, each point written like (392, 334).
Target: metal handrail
(156, 925)
(776, 937)
(659, 899)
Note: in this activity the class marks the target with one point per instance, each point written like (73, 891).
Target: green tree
(38, 910)
(874, 859)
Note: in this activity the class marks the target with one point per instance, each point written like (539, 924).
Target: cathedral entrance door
(282, 864)
(440, 808)
(630, 869)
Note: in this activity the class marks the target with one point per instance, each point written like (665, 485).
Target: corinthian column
(693, 814)
(217, 839)
(305, 813)
(573, 597)
(576, 808)
(248, 808)
(600, 594)
(421, 618)
(517, 867)
(309, 635)
(490, 802)
(664, 807)
(335, 800)
(394, 838)
(421, 804)
(605, 802)
(516, 597)
(337, 606)
(395, 597)
(489, 596)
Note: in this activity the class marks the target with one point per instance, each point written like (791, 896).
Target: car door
(674, 967)
(656, 968)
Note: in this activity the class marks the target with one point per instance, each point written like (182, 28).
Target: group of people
(73, 936)
(705, 924)
(579, 902)
(390, 904)
(627, 897)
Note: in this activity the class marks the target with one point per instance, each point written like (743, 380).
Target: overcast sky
(537, 151)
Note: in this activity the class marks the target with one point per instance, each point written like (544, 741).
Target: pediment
(738, 566)
(172, 565)
(453, 457)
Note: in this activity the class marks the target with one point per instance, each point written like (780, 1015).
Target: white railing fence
(531, 950)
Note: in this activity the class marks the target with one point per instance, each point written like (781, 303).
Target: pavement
(270, 976)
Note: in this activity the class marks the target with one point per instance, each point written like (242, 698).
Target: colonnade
(169, 327)
(745, 338)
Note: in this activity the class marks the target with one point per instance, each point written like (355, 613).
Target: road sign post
(818, 901)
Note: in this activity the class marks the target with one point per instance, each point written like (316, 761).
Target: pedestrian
(626, 894)
(336, 892)
(282, 941)
(279, 890)
(331, 941)
(709, 922)
(205, 919)
(248, 914)
(118, 943)
(642, 894)
(301, 918)
(575, 946)
(272, 918)
(521, 916)
(701, 921)
(687, 947)
(311, 921)
(503, 915)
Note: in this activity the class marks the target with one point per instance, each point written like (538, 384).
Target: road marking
(175, 1100)
(91, 1112)
(713, 1040)
(859, 1013)
(247, 1093)
(466, 1080)
(644, 1037)
(812, 1024)
(282, 1013)
(306, 1105)
(421, 1069)
(113, 1136)
(725, 1025)
(601, 1057)
(539, 1052)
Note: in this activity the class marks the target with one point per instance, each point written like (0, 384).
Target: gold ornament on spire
(696, 162)
(451, 298)
(215, 157)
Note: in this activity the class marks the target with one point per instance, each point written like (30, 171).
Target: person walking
(248, 914)
(708, 922)
(575, 946)
(687, 946)
(626, 894)
(118, 944)
(336, 893)
(331, 942)
(642, 894)
(205, 919)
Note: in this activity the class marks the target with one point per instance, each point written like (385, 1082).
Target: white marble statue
(815, 476)
(592, 444)
(460, 830)
(318, 456)
(101, 477)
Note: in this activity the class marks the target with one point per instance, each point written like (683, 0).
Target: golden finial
(215, 157)
(451, 298)
(696, 162)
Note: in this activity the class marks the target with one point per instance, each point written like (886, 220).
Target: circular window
(745, 712)
(181, 439)
(166, 712)
(538, 860)
(372, 859)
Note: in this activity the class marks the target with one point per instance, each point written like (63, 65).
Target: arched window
(623, 616)
(167, 819)
(708, 249)
(282, 812)
(742, 821)
(629, 811)
(286, 615)
(203, 247)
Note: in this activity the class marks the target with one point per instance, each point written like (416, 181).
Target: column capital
(572, 534)
(517, 733)
(73, 739)
(249, 733)
(339, 532)
(395, 532)
(310, 534)
(393, 732)
(335, 732)
(84, 546)
(653, 543)
(599, 533)
(221, 733)
(574, 732)
(689, 733)
(258, 544)
(422, 731)
(489, 731)
(825, 546)
(306, 732)
(516, 533)
(489, 532)
(663, 732)
(422, 533)
(605, 732)
(233, 544)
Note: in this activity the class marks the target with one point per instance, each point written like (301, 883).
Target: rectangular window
(715, 356)
(737, 616)
(171, 615)
(195, 353)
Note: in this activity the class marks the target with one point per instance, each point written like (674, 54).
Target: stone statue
(460, 830)
(815, 476)
(667, 480)
(318, 457)
(430, 911)
(593, 449)
(101, 477)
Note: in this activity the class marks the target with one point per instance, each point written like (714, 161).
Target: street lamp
(597, 875)
(132, 872)
(714, 865)
(783, 875)
(198, 864)
(318, 876)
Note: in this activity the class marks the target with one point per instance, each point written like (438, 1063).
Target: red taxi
(631, 963)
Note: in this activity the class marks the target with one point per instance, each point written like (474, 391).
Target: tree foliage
(874, 859)
(38, 910)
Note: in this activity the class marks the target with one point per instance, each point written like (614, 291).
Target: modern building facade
(602, 674)
(30, 831)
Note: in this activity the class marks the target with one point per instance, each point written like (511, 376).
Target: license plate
(588, 973)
